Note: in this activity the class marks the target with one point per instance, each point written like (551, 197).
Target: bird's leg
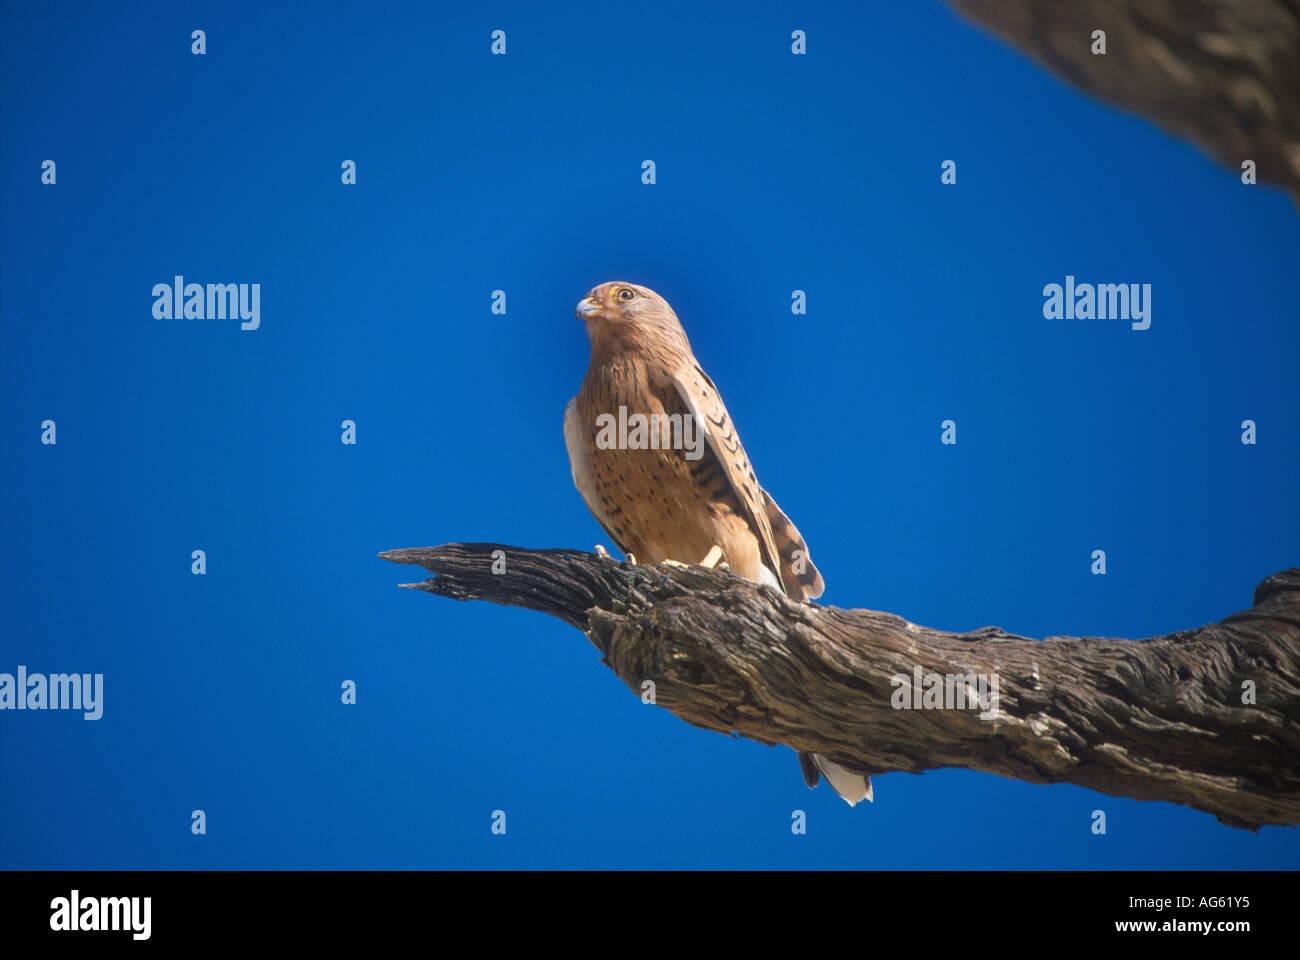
(712, 557)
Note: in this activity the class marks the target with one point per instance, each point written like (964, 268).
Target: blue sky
(523, 173)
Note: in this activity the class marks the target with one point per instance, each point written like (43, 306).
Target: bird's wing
(702, 400)
(576, 439)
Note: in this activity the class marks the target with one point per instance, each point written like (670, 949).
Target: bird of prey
(677, 486)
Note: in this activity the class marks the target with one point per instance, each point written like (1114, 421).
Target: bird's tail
(799, 577)
(851, 786)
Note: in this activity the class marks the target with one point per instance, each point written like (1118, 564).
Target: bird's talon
(712, 557)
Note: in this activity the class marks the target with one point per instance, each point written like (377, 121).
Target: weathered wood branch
(1155, 719)
(1223, 73)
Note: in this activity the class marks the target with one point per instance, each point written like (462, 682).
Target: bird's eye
(625, 294)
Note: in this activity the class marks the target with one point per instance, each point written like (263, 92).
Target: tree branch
(1226, 75)
(1154, 719)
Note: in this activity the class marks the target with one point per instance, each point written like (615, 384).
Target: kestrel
(658, 461)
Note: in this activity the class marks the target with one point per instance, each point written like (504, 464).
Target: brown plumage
(660, 500)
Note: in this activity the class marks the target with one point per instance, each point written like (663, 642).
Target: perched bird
(659, 463)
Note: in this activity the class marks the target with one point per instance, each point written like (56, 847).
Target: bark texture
(1155, 719)
(1222, 73)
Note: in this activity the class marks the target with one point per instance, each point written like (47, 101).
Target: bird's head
(620, 313)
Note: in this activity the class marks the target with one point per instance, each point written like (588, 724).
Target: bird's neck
(626, 347)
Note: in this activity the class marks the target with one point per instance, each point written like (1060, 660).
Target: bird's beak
(587, 308)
